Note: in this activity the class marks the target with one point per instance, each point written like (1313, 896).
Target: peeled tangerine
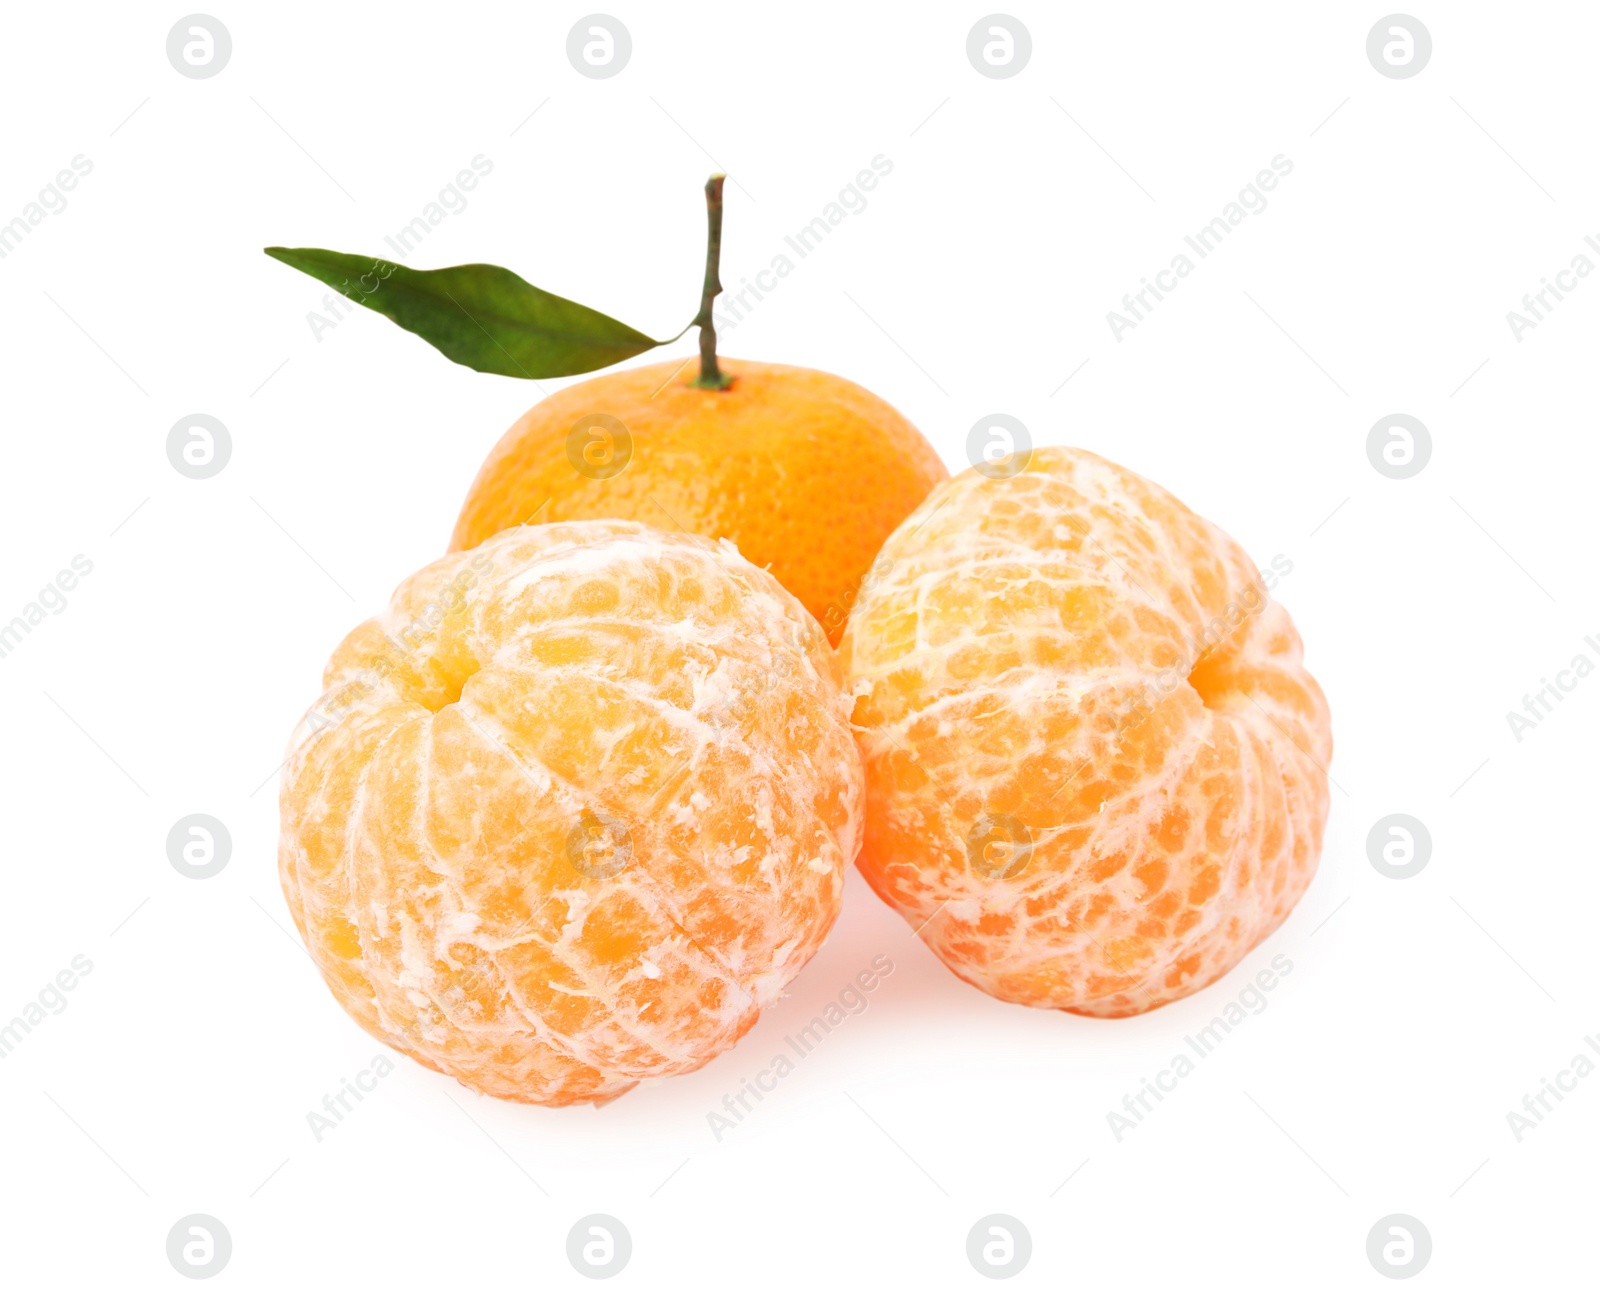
(1095, 764)
(573, 810)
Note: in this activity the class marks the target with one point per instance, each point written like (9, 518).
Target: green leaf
(482, 316)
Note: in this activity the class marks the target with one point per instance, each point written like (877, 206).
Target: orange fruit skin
(444, 845)
(1095, 763)
(805, 472)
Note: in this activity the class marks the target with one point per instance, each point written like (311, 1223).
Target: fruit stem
(711, 377)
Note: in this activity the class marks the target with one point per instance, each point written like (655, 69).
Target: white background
(1418, 1012)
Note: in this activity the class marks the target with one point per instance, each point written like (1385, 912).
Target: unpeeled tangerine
(573, 810)
(1095, 763)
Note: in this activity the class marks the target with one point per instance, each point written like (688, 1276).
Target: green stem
(711, 377)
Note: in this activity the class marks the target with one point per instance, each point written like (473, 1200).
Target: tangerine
(572, 810)
(806, 472)
(1096, 766)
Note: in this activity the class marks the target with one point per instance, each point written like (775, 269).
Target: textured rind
(806, 472)
(1073, 650)
(592, 668)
